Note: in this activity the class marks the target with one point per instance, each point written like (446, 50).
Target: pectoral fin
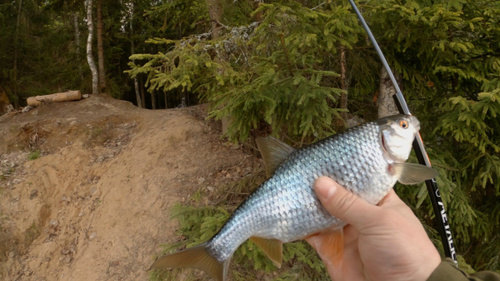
(411, 173)
(273, 248)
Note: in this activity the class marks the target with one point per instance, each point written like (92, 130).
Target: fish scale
(367, 160)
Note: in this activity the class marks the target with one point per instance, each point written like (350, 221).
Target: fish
(367, 160)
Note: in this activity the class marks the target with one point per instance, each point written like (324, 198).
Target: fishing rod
(418, 145)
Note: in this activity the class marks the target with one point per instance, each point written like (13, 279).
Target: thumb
(343, 204)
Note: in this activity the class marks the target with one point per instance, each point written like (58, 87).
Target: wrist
(447, 270)
(429, 266)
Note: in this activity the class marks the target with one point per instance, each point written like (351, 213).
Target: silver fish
(367, 160)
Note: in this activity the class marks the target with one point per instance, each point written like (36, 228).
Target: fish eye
(403, 124)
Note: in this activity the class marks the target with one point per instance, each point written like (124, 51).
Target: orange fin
(336, 245)
(198, 258)
(273, 248)
(330, 245)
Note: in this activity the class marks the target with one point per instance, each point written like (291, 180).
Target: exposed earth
(86, 187)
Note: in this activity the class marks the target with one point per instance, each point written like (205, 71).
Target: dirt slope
(95, 204)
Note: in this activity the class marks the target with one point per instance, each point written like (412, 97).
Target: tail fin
(197, 257)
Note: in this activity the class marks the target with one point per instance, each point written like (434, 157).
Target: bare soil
(86, 187)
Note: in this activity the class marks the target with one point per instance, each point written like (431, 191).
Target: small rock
(81, 214)
(54, 223)
(92, 190)
(33, 194)
(12, 254)
(92, 236)
(16, 181)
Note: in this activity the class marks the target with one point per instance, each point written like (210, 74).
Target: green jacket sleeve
(447, 271)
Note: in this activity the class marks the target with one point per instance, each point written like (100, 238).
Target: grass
(31, 234)
(34, 155)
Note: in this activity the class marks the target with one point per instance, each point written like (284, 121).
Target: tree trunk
(90, 57)
(141, 88)
(343, 85)
(100, 49)
(343, 82)
(385, 100)
(132, 50)
(16, 44)
(153, 101)
(77, 43)
(57, 97)
(215, 12)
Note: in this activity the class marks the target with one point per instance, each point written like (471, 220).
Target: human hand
(383, 242)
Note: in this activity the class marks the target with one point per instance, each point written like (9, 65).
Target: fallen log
(57, 97)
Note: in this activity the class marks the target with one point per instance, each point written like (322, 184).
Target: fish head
(397, 135)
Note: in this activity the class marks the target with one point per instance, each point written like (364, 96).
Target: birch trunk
(100, 49)
(90, 57)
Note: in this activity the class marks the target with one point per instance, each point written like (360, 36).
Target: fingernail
(325, 190)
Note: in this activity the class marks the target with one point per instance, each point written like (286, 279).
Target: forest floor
(86, 187)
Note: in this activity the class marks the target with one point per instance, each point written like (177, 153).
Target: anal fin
(273, 248)
(329, 245)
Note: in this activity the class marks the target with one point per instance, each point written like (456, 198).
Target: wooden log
(57, 97)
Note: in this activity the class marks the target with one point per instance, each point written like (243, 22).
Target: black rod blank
(418, 146)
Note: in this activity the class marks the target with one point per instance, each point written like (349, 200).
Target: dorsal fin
(273, 152)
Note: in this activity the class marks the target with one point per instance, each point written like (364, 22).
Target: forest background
(296, 69)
